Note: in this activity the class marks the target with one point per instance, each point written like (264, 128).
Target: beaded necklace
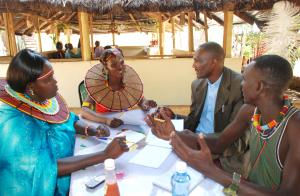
(50, 106)
(267, 128)
(265, 131)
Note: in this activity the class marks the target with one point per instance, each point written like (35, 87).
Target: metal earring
(105, 73)
(31, 92)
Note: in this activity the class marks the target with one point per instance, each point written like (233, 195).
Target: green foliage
(253, 42)
(53, 37)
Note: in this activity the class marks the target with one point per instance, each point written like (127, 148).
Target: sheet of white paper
(164, 181)
(151, 156)
(152, 140)
(178, 124)
(155, 141)
(133, 137)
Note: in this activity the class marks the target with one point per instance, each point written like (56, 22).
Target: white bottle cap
(181, 167)
(109, 164)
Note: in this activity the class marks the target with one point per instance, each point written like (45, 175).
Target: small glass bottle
(180, 180)
(111, 185)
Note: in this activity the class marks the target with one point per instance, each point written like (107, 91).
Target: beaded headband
(114, 53)
(45, 75)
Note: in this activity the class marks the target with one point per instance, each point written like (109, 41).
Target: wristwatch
(234, 186)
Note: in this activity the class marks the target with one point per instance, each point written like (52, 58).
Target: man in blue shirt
(216, 99)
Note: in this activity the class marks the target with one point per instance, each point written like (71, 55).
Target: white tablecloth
(137, 180)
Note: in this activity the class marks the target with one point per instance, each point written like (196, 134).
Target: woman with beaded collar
(112, 86)
(38, 131)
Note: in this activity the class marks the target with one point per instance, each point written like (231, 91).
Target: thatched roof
(99, 6)
(123, 15)
(108, 6)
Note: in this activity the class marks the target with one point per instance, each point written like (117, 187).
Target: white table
(137, 179)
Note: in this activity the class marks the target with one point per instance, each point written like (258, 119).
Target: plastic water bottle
(180, 180)
(111, 185)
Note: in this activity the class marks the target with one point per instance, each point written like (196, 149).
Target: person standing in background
(98, 49)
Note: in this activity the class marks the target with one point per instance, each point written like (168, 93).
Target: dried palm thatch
(106, 6)
(121, 15)
(102, 6)
(235, 5)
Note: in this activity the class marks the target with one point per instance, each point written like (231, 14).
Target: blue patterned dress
(29, 150)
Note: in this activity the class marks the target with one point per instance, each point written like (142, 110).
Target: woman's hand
(116, 147)
(100, 131)
(115, 122)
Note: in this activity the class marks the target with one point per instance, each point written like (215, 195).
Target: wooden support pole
(68, 33)
(83, 18)
(57, 34)
(205, 27)
(39, 36)
(191, 33)
(92, 35)
(227, 37)
(113, 37)
(161, 30)
(138, 27)
(10, 33)
(173, 33)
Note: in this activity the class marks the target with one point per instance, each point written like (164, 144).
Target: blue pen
(105, 138)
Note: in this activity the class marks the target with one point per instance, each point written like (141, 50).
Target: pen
(109, 138)
(105, 138)
(159, 120)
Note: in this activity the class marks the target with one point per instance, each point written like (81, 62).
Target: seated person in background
(66, 47)
(216, 99)
(274, 138)
(98, 49)
(59, 54)
(70, 52)
(38, 131)
(78, 52)
(112, 86)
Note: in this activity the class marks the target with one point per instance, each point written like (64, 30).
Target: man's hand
(116, 147)
(148, 104)
(198, 159)
(161, 128)
(115, 122)
(167, 111)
